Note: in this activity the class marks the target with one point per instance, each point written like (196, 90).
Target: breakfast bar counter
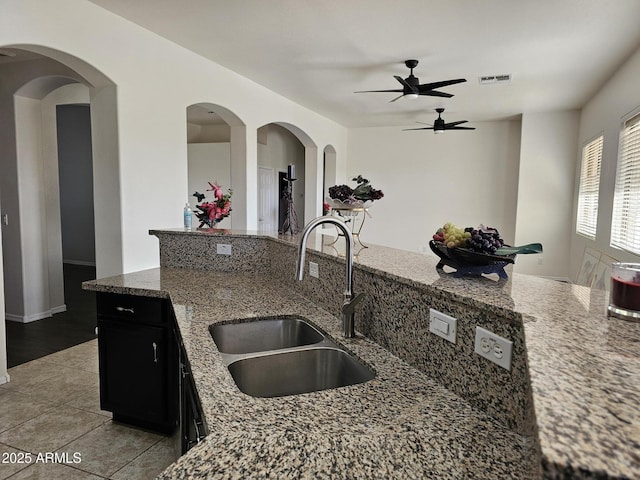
(581, 394)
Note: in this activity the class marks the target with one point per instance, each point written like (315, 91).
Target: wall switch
(223, 249)
(443, 325)
(493, 347)
(313, 270)
(5, 219)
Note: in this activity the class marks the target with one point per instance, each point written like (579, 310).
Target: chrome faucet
(350, 300)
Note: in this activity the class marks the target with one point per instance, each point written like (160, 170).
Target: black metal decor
(290, 224)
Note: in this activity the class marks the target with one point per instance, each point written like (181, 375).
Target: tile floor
(51, 405)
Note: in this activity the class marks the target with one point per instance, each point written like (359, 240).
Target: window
(589, 188)
(625, 225)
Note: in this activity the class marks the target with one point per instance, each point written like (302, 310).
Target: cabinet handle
(155, 352)
(124, 309)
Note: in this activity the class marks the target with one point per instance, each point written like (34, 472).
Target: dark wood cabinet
(138, 361)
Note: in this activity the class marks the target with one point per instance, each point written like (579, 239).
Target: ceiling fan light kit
(411, 88)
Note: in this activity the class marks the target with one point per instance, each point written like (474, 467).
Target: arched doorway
(215, 139)
(32, 81)
(281, 144)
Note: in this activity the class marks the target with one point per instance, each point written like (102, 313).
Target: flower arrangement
(363, 192)
(212, 213)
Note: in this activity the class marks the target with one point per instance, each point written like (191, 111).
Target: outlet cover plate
(493, 347)
(223, 249)
(443, 325)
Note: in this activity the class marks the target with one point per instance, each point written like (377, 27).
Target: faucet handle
(350, 304)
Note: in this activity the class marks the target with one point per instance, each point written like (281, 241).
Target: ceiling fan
(439, 126)
(411, 87)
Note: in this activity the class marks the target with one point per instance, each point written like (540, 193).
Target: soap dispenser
(187, 216)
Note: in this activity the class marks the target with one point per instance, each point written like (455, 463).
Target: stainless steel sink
(282, 356)
(298, 371)
(263, 335)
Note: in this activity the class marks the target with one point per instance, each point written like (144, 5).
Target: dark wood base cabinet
(138, 361)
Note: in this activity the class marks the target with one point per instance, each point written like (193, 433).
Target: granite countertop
(584, 370)
(399, 425)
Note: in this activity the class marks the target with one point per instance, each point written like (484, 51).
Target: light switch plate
(443, 325)
(223, 249)
(313, 270)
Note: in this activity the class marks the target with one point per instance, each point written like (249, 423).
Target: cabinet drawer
(131, 308)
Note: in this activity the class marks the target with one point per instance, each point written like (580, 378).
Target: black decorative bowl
(468, 262)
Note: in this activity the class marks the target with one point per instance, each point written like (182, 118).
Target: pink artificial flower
(216, 189)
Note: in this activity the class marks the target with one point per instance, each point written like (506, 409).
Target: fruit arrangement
(480, 239)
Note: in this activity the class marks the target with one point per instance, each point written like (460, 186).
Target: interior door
(267, 207)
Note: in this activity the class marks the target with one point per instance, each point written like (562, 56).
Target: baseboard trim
(82, 263)
(5, 378)
(59, 309)
(36, 316)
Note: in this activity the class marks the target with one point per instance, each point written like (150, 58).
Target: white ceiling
(319, 52)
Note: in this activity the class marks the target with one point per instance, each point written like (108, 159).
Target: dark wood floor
(28, 341)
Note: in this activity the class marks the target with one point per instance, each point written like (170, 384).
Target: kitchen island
(575, 417)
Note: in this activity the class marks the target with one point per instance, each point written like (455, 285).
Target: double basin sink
(282, 356)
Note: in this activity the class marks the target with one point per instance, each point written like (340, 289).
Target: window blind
(625, 224)
(587, 216)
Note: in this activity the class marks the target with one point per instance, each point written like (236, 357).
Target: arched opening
(329, 170)
(216, 153)
(36, 82)
(280, 145)
(216, 146)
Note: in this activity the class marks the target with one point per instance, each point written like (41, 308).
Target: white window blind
(587, 217)
(625, 224)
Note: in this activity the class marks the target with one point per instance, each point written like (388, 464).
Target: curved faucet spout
(348, 253)
(348, 313)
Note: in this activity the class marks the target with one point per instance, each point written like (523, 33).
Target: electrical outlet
(313, 270)
(443, 325)
(493, 347)
(223, 249)
(5, 219)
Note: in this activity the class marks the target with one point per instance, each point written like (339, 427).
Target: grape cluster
(484, 239)
(341, 192)
(481, 239)
(452, 236)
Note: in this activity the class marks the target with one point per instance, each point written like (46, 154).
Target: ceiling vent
(486, 80)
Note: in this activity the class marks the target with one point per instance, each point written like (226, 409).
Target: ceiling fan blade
(375, 91)
(434, 93)
(397, 98)
(405, 84)
(453, 124)
(434, 85)
(423, 123)
(422, 128)
(461, 128)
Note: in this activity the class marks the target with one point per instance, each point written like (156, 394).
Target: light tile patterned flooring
(52, 405)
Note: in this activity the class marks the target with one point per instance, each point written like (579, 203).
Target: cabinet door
(134, 359)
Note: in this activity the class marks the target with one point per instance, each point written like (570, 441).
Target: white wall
(467, 177)
(74, 93)
(35, 289)
(545, 193)
(208, 133)
(603, 115)
(209, 162)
